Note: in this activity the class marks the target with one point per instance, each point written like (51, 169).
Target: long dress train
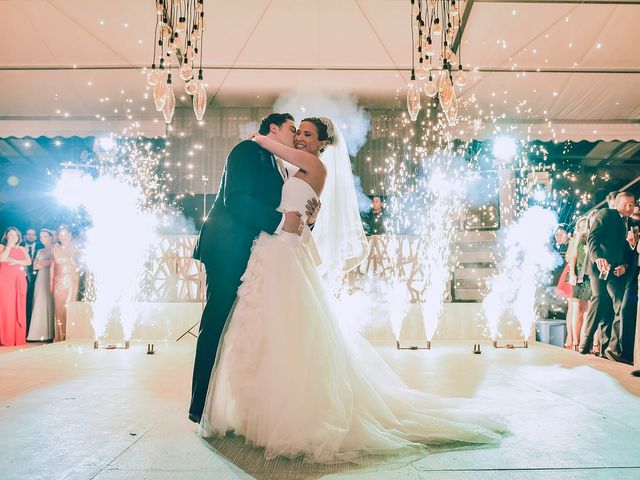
(288, 379)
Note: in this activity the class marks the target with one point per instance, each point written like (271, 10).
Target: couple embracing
(272, 361)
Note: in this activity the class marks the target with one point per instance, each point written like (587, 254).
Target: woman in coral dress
(13, 289)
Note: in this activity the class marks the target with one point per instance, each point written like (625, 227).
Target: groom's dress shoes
(615, 357)
(194, 418)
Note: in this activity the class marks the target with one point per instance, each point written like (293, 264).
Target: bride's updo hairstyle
(324, 127)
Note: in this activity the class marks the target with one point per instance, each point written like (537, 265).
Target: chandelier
(434, 27)
(177, 48)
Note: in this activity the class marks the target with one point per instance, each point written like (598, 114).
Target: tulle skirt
(290, 380)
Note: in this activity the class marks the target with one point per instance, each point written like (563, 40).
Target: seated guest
(64, 280)
(41, 328)
(374, 219)
(13, 289)
(609, 257)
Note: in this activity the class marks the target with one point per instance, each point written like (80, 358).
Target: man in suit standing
(31, 246)
(630, 300)
(610, 258)
(249, 193)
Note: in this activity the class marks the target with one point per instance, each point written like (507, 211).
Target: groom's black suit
(246, 203)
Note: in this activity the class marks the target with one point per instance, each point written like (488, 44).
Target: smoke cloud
(354, 122)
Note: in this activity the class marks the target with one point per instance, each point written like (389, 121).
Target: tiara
(329, 124)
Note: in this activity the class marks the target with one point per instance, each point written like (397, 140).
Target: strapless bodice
(295, 195)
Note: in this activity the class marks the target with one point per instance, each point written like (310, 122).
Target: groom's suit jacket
(250, 191)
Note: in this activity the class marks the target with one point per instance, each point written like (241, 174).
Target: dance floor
(68, 411)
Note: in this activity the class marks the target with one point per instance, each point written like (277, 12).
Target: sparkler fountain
(525, 265)
(122, 229)
(429, 205)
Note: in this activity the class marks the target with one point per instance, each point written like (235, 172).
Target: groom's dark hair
(276, 118)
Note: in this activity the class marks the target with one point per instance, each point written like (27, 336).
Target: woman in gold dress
(65, 279)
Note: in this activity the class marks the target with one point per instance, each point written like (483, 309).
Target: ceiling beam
(330, 69)
(568, 2)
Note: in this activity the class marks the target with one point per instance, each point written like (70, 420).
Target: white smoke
(247, 129)
(364, 202)
(524, 267)
(117, 246)
(353, 121)
(175, 223)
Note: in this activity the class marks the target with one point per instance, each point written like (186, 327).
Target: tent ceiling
(572, 63)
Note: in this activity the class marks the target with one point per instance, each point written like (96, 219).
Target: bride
(286, 376)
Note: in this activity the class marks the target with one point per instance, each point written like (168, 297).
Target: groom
(245, 205)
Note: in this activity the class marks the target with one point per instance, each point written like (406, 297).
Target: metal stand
(511, 345)
(413, 347)
(189, 332)
(110, 346)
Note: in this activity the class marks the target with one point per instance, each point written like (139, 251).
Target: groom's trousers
(222, 288)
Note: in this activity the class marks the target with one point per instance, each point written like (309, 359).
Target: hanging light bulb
(178, 43)
(445, 90)
(453, 11)
(461, 78)
(171, 48)
(413, 98)
(169, 107)
(455, 24)
(153, 78)
(200, 98)
(447, 54)
(437, 28)
(428, 49)
(425, 71)
(188, 53)
(158, 92)
(179, 33)
(180, 26)
(431, 87)
(186, 72)
(191, 86)
(451, 112)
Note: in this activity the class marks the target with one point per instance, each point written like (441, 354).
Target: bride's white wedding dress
(290, 380)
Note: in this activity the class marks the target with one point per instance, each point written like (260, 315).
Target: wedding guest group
(38, 278)
(602, 259)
